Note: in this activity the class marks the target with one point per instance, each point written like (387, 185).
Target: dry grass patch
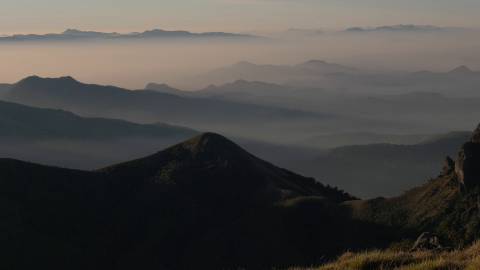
(468, 259)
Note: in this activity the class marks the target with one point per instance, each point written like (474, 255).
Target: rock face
(467, 166)
(476, 135)
(448, 166)
(427, 241)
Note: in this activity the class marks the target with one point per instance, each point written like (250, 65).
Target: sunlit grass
(468, 259)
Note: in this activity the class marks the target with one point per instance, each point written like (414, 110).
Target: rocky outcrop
(467, 166)
(427, 241)
(448, 166)
(476, 135)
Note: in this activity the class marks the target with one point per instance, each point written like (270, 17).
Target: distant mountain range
(279, 74)
(402, 28)
(235, 118)
(319, 86)
(145, 106)
(325, 75)
(78, 35)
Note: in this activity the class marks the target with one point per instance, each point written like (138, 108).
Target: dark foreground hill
(204, 203)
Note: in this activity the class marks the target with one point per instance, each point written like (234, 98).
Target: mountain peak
(72, 32)
(67, 79)
(209, 137)
(461, 70)
(207, 148)
(163, 88)
(37, 79)
(213, 144)
(218, 166)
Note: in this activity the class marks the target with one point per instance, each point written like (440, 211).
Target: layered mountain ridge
(146, 106)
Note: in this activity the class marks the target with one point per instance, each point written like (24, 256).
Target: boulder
(427, 241)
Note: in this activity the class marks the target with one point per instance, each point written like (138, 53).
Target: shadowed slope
(220, 162)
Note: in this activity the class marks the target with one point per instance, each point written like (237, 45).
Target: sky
(41, 16)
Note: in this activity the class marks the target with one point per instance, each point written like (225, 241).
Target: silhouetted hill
(461, 70)
(204, 203)
(210, 154)
(23, 122)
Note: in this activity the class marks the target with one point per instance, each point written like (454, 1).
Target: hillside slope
(447, 205)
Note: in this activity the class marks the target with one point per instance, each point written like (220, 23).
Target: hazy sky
(39, 16)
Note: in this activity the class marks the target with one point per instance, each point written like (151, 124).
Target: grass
(467, 259)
